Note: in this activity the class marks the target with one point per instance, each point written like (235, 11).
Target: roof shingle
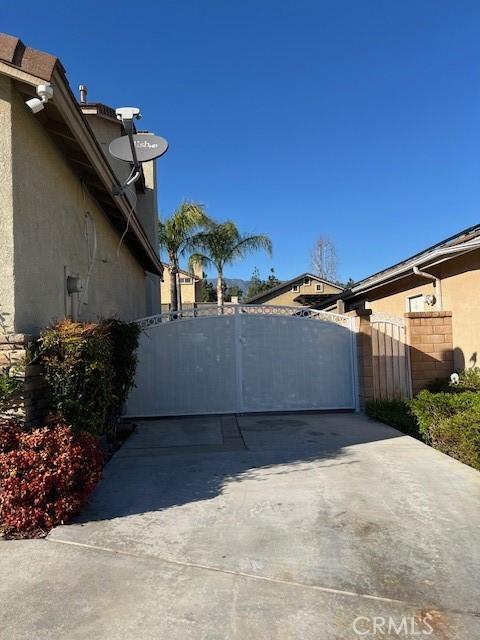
(32, 61)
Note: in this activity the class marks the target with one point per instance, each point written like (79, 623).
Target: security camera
(35, 105)
(44, 93)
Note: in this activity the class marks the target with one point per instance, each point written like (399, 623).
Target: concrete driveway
(288, 526)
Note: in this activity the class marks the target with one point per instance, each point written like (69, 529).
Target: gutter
(404, 270)
(438, 285)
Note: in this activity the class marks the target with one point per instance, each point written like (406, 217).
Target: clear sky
(358, 119)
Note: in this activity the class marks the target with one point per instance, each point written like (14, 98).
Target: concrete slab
(176, 432)
(321, 518)
(52, 591)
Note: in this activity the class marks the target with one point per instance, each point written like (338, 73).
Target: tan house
(441, 280)
(60, 224)
(305, 290)
(190, 285)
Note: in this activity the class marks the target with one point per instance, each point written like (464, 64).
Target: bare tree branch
(324, 258)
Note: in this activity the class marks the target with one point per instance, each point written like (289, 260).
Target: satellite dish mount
(134, 148)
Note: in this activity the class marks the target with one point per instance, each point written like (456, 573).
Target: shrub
(89, 369)
(395, 413)
(45, 476)
(9, 434)
(470, 379)
(9, 385)
(124, 340)
(431, 408)
(459, 436)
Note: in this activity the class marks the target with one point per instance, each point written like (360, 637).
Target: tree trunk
(173, 285)
(220, 289)
(179, 291)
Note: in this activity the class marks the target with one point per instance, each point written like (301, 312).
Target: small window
(295, 288)
(185, 281)
(306, 281)
(416, 303)
(319, 286)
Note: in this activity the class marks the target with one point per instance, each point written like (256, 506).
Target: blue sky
(355, 119)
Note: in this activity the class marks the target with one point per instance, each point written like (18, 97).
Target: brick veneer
(30, 402)
(364, 352)
(431, 347)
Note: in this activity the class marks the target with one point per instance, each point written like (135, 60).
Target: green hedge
(89, 369)
(449, 422)
(395, 413)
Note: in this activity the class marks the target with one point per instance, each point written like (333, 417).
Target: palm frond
(248, 244)
(175, 232)
(198, 260)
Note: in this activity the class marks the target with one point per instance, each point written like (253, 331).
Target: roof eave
(68, 107)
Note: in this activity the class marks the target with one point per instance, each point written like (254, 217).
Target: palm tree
(174, 235)
(222, 244)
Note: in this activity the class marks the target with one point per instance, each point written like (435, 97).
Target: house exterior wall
(7, 304)
(189, 292)
(286, 297)
(460, 282)
(49, 237)
(106, 130)
(461, 295)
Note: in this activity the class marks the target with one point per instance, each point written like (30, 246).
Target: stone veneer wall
(30, 403)
(431, 346)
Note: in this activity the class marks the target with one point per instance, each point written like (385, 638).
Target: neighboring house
(190, 287)
(60, 225)
(303, 291)
(444, 278)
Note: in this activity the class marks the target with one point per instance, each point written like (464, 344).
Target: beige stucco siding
(188, 291)
(460, 282)
(49, 237)
(461, 295)
(6, 206)
(396, 303)
(286, 297)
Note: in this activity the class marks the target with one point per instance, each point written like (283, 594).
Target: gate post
(364, 355)
(238, 338)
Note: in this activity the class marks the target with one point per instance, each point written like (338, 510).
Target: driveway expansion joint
(251, 576)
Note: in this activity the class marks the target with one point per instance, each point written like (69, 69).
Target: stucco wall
(49, 237)
(461, 295)
(105, 131)
(286, 297)
(396, 302)
(6, 207)
(188, 291)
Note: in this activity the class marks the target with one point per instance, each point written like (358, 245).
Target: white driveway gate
(244, 358)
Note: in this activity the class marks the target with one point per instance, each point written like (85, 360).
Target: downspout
(438, 285)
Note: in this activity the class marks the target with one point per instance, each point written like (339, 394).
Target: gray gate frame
(235, 310)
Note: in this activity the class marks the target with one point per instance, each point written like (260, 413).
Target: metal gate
(244, 358)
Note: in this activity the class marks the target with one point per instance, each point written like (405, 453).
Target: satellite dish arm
(127, 115)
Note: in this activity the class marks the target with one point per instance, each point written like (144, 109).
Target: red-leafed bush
(45, 476)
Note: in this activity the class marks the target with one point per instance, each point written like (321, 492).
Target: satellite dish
(147, 147)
